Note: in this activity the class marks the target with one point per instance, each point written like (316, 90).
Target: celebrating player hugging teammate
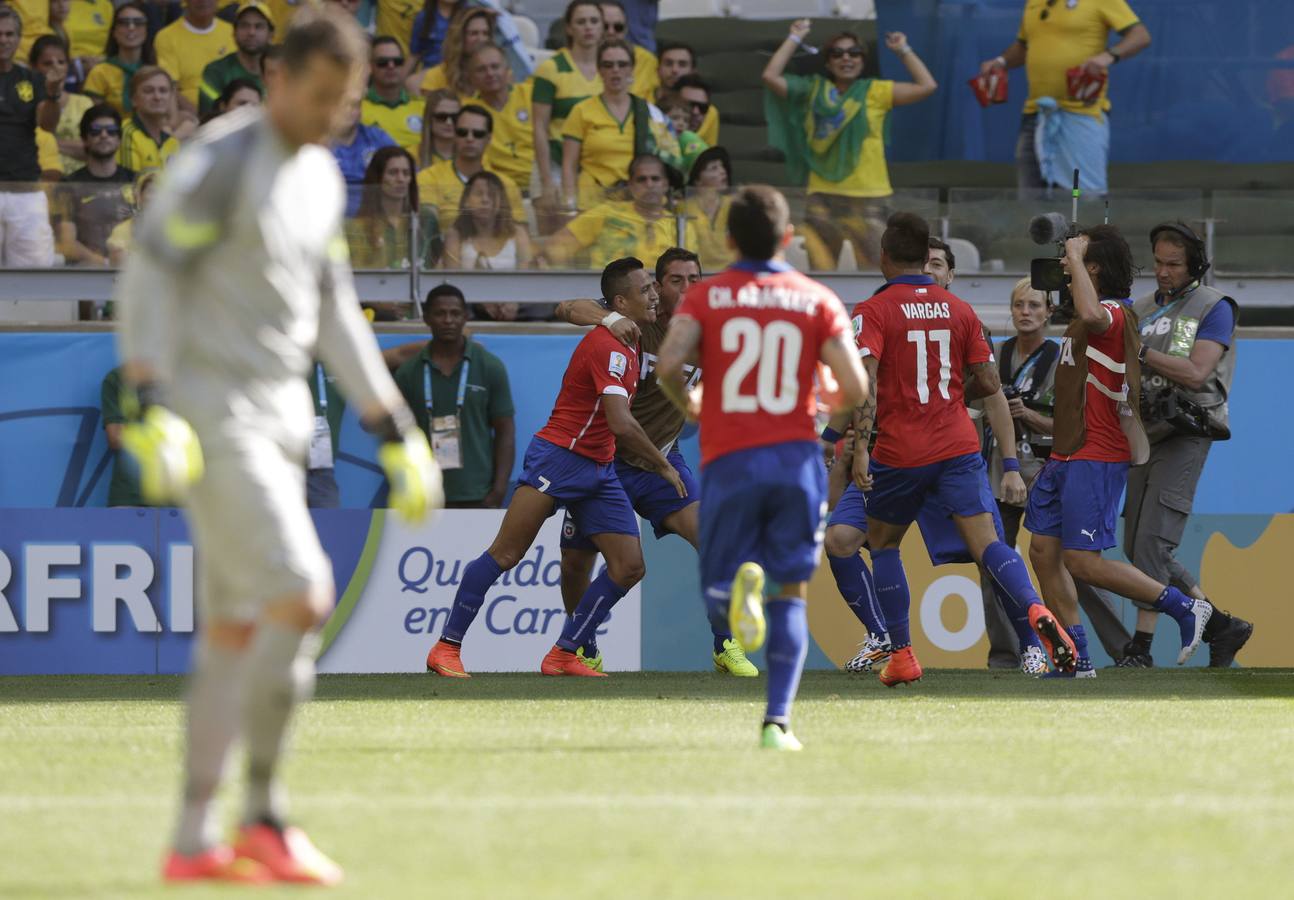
(570, 463)
(652, 496)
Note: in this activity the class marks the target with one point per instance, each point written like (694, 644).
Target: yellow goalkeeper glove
(412, 472)
(163, 445)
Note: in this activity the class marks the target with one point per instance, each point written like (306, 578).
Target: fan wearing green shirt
(253, 30)
(459, 393)
(123, 489)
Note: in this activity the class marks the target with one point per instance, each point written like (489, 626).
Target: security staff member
(1188, 359)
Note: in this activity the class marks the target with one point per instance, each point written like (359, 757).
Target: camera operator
(1187, 362)
(1027, 365)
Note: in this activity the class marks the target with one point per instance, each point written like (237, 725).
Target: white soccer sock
(211, 726)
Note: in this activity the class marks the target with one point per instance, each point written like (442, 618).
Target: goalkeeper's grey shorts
(253, 537)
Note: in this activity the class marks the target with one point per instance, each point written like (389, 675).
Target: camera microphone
(1048, 228)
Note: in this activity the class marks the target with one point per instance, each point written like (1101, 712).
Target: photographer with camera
(1074, 501)
(1188, 360)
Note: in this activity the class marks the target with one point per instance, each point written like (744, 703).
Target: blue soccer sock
(1018, 615)
(1174, 603)
(855, 584)
(1011, 574)
(788, 646)
(594, 607)
(590, 645)
(478, 578)
(892, 594)
(1079, 637)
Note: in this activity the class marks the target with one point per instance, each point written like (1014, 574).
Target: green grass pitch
(968, 784)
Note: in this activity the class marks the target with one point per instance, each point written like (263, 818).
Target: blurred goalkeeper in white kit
(240, 280)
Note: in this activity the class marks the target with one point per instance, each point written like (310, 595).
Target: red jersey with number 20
(599, 366)
(923, 338)
(762, 331)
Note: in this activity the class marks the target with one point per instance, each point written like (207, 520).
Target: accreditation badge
(320, 445)
(446, 442)
(1183, 338)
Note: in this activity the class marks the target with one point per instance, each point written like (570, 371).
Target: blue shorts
(958, 485)
(1077, 501)
(764, 505)
(589, 490)
(651, 496)
(851, 509)
(944, 542)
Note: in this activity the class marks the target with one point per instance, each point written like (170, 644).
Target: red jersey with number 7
(599, 366)
(762, 330)
(923, 338)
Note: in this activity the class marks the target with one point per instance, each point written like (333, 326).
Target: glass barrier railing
(1253, 232)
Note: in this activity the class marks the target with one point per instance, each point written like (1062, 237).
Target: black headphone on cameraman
(1197, 261)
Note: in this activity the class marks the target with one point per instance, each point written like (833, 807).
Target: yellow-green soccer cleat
(595, 663)
(774, 738)
(733, 661)
(746, 607)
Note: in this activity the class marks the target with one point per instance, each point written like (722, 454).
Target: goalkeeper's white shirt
(240, 279)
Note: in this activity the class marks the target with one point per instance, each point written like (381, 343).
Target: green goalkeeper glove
(163, 445)
(412, 472)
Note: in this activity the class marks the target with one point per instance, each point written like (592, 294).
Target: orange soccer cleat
(446, 659)
(286, 854)
(564, 662)
(902, 668)
(216, 864)
(1058, 644)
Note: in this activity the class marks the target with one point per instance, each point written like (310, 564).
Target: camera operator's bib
(1171, 329)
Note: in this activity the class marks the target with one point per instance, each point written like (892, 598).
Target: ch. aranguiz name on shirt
(769, 296)
(925, 310)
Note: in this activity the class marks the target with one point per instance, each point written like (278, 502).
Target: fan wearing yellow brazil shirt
(438, 127)
(34, 15)
(512, 146)
(470, 28)
(187, 45)
(86, 30)
(615, 24)
(642, 227)
(561, 81)
(129, 47)
(441, 184)
(145, 143)
(394, 18)
(388, 105)
(706, 207)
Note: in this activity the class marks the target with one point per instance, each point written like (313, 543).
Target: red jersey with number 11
(922, 338)
(762, 331)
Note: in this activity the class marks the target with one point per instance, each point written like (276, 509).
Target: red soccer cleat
(564, 662)
(216, 864)
(287, 855)
(446, 659)
(1058, 644)
(902, 668)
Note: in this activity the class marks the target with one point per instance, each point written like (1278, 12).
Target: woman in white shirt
(485, 235)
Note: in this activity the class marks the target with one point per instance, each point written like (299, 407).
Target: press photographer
(1188, 360)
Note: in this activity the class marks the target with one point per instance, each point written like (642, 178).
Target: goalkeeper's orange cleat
(901, 668)
(564, 662)
(287, 855)
(216, 864)
(1058, 644)
(446, 659)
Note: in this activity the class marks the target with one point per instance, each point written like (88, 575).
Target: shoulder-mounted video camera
(1182, 414)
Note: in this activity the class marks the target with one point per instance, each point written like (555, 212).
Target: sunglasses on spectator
(1047, 11)
(133, 21)
(478, 133)
(699, 107)
(444, 117)
(617, 28)
(388, 62)
(852, 52)
(96, 130)
(615, 64)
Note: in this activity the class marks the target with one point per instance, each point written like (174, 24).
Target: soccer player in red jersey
(759, 330)
(916, 340)
(1074, 503)
(571, 463)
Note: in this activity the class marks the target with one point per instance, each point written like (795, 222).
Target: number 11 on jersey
(943, 338)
